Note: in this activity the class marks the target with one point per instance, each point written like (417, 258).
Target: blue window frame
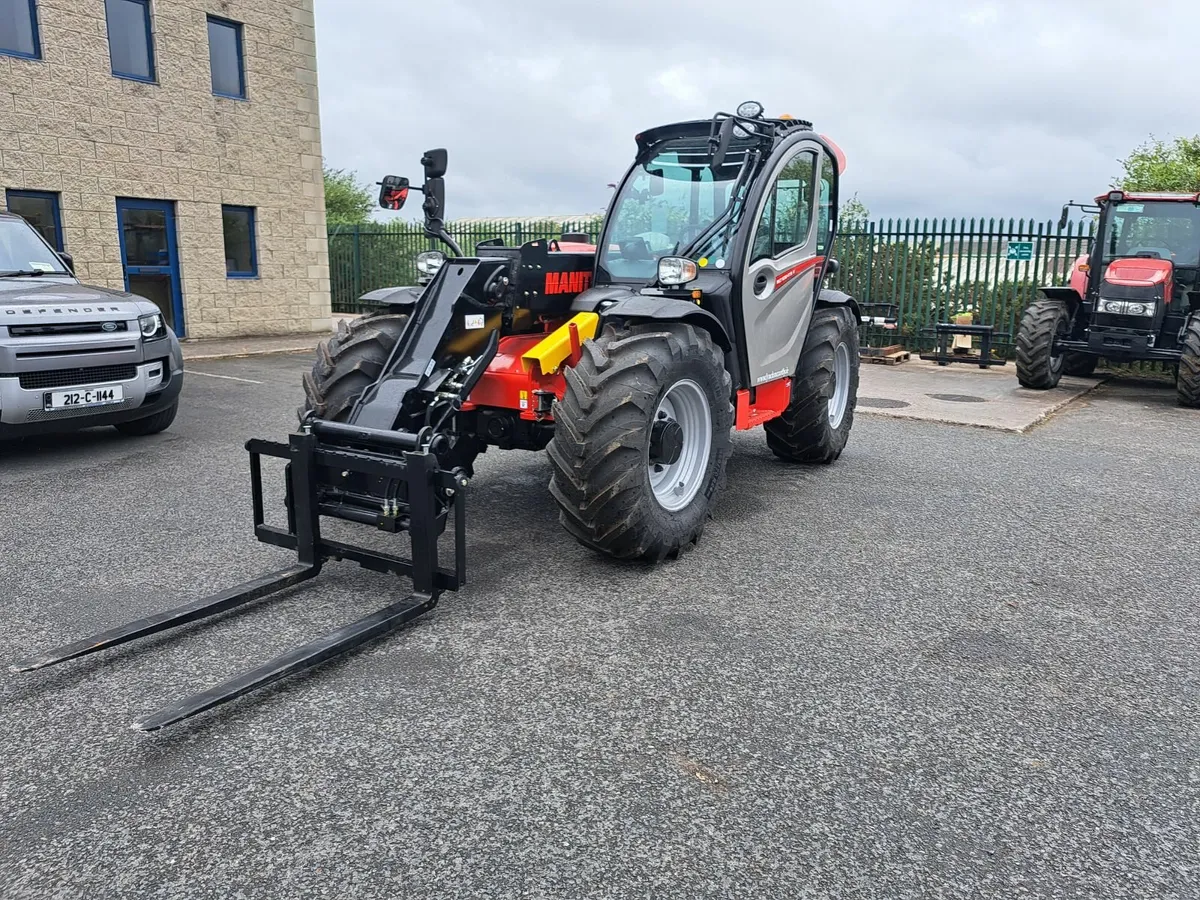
(18, 29)
(42, 210)
(241, 247)
(226, 58)
(130, 39)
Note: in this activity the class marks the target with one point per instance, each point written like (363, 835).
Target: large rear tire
(1037, 365)
(1187, 384)
(348, 363)
(641, 440)
(816, 425)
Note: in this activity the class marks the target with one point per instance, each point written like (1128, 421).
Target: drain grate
(880, 403)
(957, 398)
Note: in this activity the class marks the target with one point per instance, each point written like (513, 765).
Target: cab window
(784, 221)
(825, 207)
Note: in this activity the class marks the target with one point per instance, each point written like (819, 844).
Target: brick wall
(67, 124)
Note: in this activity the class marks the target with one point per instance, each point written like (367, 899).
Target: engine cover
(1134, 293)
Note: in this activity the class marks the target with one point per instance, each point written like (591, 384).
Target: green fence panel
(929, 269)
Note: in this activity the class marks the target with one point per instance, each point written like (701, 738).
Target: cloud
(943, 108)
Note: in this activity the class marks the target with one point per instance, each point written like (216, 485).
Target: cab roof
(1140, 197)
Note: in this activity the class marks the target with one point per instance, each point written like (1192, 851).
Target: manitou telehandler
(699, 310)
(1135, 295)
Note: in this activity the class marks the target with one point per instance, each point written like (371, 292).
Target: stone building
(173, 149)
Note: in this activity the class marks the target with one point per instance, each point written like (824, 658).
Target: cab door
(783, 262)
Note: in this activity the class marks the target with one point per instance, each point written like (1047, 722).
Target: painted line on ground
(226, 377)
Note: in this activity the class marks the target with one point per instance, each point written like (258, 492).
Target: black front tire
(348, 363)
(154, 424)
(1080, 365)
(1187, 383)
(1043, 321)
(806, 433)
(600, 454)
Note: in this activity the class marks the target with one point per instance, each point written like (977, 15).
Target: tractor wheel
(1081, 365)
(1187, 383)
(348, 363)
(816, 425)
(641, 440)
(1037, 366)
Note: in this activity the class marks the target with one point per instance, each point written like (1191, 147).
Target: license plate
(93, 396)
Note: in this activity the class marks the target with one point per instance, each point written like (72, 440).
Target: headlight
(153, 326)
(430, 261)
(673, 270)
(1128, 308)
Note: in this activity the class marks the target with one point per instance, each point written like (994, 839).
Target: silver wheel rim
(839, 397)
(676, 485)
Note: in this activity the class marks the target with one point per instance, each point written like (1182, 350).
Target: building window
(225, 57)
(41, 210)
(130, 43)
(18, 29)
(241, 254)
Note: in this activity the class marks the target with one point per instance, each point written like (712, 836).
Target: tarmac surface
(959, 662)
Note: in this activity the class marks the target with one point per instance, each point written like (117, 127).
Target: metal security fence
(932, 270)
(929, 269)
(363, 258)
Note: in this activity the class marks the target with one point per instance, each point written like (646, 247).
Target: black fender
(829, 297)
(393, 296)
(1067, 294)
(667, 309)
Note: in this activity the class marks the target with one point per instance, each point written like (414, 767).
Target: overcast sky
(943, 108)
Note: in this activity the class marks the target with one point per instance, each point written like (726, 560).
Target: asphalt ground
(956, 663)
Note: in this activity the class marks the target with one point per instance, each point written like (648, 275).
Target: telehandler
(699, 310)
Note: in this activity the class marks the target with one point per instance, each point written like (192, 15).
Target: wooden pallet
(891, 359)
(880, 351)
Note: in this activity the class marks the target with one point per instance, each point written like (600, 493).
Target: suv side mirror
(68, 260)
(393, 192)
(434, 162)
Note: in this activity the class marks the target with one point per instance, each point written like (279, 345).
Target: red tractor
(1134, 296)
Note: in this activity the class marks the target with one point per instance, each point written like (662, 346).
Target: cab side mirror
(393, 192)
(832, 267)
(435, 204)
(1062, 221)
(434, 162)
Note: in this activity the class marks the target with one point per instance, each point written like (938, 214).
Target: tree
(853, 216)
(1161, 166)
(346, 201)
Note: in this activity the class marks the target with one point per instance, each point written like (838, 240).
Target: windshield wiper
(30, 272)
(726, 216)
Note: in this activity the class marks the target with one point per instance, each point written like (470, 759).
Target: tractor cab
(1134, 296)
(1143, 269)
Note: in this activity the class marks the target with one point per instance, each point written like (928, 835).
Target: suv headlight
(153, 326)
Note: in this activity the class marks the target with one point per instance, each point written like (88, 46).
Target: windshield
(23, 250)
(1158, 229)
(667, 202)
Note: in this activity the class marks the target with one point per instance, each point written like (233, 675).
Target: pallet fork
(324, 449)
